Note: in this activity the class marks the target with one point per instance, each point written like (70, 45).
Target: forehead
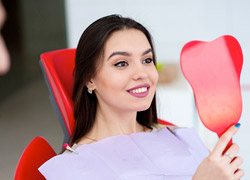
(129, 40)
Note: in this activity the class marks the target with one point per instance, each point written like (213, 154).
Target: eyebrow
(123, 53)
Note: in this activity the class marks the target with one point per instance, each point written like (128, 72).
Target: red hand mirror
(213, 70)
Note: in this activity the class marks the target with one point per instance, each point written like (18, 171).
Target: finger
(224, 140)
(236, 163)
(230, 153)
(239, 174)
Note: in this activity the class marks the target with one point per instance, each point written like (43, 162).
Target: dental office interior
(34, 27)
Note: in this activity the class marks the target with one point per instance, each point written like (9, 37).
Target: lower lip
(140, 95)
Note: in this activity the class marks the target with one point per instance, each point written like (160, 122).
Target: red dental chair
(57, 67)
(35, 154)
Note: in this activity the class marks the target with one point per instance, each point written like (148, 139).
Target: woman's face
(126, 77)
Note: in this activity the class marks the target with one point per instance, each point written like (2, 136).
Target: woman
(116, 134)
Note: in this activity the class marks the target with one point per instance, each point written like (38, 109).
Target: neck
(113, 122)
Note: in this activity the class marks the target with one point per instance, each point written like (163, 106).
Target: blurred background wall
(33, 27)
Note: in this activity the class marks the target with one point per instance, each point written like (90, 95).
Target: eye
(121, 64)
(147, 61)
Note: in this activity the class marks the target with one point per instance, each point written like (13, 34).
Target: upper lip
(139, 86)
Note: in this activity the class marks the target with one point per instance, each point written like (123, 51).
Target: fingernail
(237, 125)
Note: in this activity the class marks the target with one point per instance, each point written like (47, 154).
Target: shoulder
(82, 164)
(191, 138)
(188, 135)
(65, 165)
(54, 167)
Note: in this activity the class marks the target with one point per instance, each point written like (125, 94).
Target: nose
(139, 72)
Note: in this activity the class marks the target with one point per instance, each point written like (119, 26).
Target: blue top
(157, 155)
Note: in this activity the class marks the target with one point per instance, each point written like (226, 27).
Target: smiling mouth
(139, 92)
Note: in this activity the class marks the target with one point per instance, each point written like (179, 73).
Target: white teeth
(139, 90)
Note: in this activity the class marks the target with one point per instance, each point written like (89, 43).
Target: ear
(91, 85)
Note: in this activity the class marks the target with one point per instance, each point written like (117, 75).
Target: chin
(143, 108)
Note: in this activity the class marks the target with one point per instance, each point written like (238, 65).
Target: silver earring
(90, 91)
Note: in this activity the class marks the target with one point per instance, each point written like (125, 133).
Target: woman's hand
(219, 166)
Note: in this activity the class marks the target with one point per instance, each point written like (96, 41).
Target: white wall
(172, 24)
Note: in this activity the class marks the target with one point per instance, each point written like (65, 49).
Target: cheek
(154, 76)
(111, 82)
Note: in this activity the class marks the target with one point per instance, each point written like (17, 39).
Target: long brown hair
(89, 49)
